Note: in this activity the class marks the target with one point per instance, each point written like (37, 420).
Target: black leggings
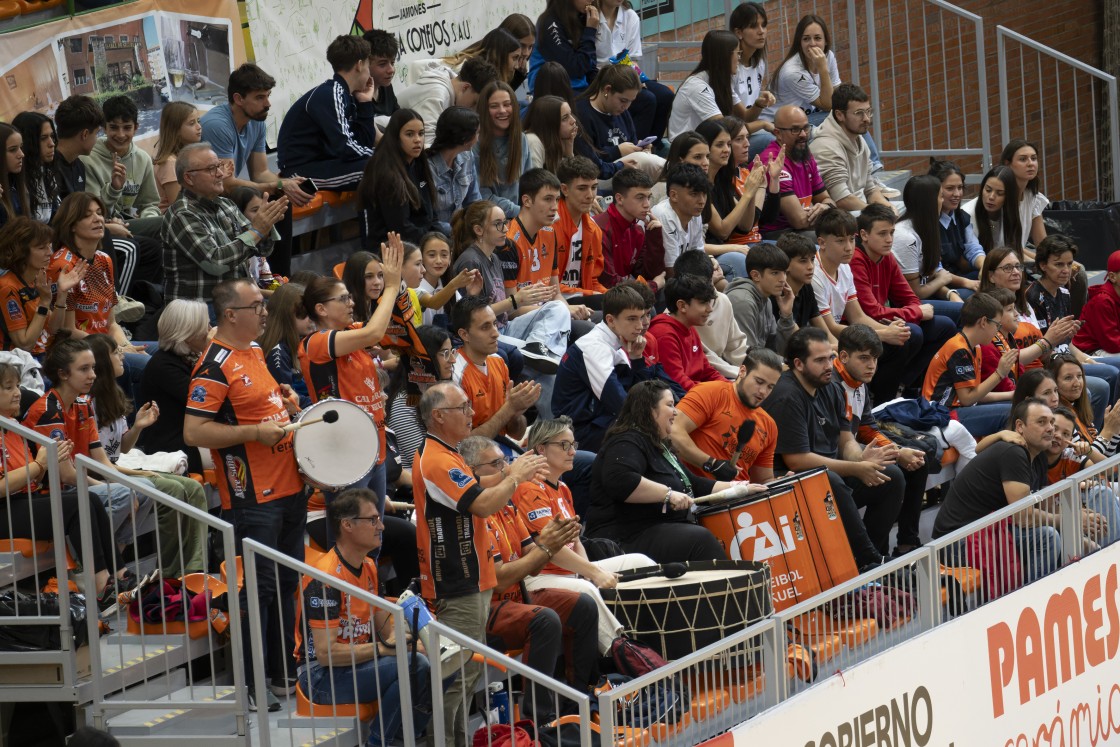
(676, 542)
(32, 514)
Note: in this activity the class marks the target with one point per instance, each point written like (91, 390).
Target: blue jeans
(651, 109)
(1099, 370)
(1102, 500)
(278, 524)
(733, 264)
(375, 680)
(1099, 390)
(949, 309)
(984, 420)
(1040, 551)
(117, 500)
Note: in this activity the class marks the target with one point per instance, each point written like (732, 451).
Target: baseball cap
(1114, 262)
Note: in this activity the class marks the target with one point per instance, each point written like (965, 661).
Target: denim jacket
(456, 186)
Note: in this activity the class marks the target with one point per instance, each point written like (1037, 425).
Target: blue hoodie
(326, 124)
(553, 45)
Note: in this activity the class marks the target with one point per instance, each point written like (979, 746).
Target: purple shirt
(799, 178)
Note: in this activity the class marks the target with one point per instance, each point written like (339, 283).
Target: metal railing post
(853, 42)
(982, 81)
(256, 644)
(1001, 58)
(873, 71)
(1069, 503)
(1114, 137)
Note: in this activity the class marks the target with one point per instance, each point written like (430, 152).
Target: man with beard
(842, 153)
(803, 195)
(236, 132)
(720, 432)
(860, 349)
(815, 433)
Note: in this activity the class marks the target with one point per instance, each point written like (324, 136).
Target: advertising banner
(1037, 668)
(154, 51)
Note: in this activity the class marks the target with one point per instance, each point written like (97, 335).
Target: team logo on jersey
(58, 434)
(14, 310)
(275, 399)
(235, 471)
(198, 394)
(246, 380)
(458, 477)
(539, 513)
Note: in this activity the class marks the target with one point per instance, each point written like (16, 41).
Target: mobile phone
(308, 186)
(647, 141)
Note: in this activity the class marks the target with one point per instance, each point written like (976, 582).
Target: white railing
(1079, 150)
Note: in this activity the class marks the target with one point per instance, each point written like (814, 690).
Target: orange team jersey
(50, 416)
(234, 387)
(1027, 334)
(353, 377)
(1062, 469)
(956, 365)
(509, 538)
(579, 263)
(537, 503)
(327, 608)
(486, 387)
(536, 255)
(92, 301)
(406, 317)
(21, 304)
(754, 236)
(452, 544)
(14, 455)
(719, 415)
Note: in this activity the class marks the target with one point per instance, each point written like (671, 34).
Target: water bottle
(498, 704)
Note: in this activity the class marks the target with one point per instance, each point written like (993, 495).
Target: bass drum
(336, 455)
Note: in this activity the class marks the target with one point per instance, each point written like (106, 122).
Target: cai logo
(767, 541)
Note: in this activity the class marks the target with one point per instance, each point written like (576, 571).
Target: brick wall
(929, 90)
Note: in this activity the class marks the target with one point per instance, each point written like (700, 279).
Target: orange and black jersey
(452, 543)
(234, 387)
(956, 365)
(49, 416)
(509, 540)
(325, 607)
(353, 377)
(536, 255)
(538, 503)
(486, 386)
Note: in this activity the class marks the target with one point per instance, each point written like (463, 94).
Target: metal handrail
(1003, 34)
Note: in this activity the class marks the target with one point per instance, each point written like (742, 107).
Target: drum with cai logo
(337, 454)
(795, 528)
(677, 616)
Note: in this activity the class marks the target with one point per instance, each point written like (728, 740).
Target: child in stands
(39, 144)
(436, 286)
(502, 152)
(631, 237)
(179, 125)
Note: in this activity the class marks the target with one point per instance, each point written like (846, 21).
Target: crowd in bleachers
(583, 302)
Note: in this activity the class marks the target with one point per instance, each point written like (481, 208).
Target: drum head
(339, 454)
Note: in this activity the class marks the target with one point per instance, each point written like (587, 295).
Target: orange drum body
(795, 528)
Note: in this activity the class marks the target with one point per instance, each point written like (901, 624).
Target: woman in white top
(748, 23)
(708, 93)
(1021, 156)
(917, 248)
(620, 30)
(550, 129)
(808, 73)
(995, 212)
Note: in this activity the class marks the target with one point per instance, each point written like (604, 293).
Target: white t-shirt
(907, 248)
(748, 82)
(571, 275)
(677, 238)
(833, 296)
(799, 87)
(627, 34)
(428, 315)
(972, 207)
(695, 101)
(1031, 205)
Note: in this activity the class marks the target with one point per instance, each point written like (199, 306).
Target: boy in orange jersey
(579, 240)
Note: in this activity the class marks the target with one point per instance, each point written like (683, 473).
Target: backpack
(633, 658)
(906, 437)
(887, 605)
(504, 735)
(919, 414)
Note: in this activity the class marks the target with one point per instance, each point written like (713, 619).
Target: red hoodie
(1100, 321)
(681, 352)
(629, 251)
(880, 283)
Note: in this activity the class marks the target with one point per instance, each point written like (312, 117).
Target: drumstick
(399, 507)
(330, 416)
(735, 491)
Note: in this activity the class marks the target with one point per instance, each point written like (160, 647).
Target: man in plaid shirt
(206, 238)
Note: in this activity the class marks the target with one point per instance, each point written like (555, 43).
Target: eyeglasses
(344, 298)
(464, 408)
(493, 464)
(565, 445)
(795, 130)
(863, 114)
(993, 321)
(257, 308)
(445, 354)
(1010, 268)
(213, 169)
(501, 225)
(373, 520)
(120, 352)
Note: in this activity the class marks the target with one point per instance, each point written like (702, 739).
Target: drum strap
(672, 460)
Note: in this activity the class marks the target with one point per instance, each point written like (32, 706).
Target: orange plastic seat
(197, 583)
(335, 199)
(32, 6)
(29, 549)
(9, 9)
(480, 659)
(210, 477)
(744, 684)
(305, 211)
(312, 553)
(240, 572)
(304, 707)
(314, 546)
(337, 270)
(707, 702)
(968, 578)
(814, 626)
(950, 456)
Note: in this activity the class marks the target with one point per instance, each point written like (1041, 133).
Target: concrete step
(286, 728)
(180, 720)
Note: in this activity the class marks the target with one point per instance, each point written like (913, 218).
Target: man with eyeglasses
(456, 567)
(206, 238)
(841, 152)
(802, 192)
(347, 646)
(549, 623)
(238, 411)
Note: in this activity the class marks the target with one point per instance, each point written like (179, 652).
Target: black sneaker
(282, 686)
(271, 701)
(540, 358)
